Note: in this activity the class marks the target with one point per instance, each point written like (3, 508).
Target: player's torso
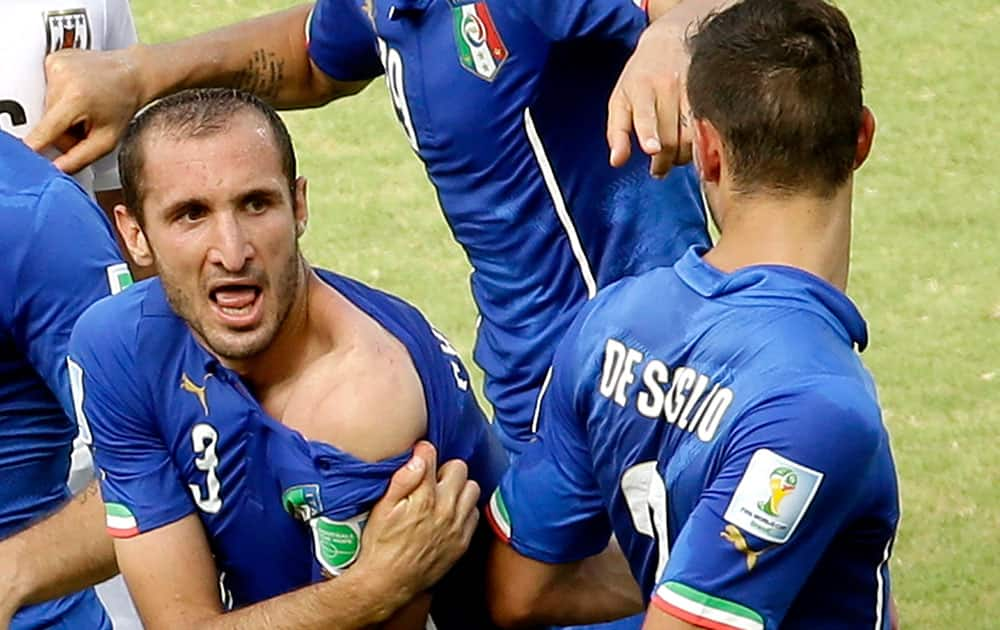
(667, 398)
(30, 30)
(510, 125)
(35, 433)
(282, 511)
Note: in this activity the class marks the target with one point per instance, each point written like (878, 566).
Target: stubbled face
(222, 228)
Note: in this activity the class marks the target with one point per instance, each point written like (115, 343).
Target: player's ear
(866, 137)
(707, 151)
(300, 206)
(133, 236)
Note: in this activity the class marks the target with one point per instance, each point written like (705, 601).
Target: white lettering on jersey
(203, 440)
(393, 64)
(456, 362)
(686, 399)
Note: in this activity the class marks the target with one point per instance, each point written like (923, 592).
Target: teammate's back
(715, 414)
(43, 288)
(700, 399)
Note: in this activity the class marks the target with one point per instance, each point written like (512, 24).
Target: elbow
(513, 600)
(515, 610)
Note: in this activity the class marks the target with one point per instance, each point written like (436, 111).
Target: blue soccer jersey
(180, 434)
(723, 427)
(506, 104)
(59, 258)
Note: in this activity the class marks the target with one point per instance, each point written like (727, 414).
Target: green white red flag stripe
(496, 514)
(121, 522)
(703, 610)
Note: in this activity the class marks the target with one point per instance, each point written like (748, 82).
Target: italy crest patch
(480, 48)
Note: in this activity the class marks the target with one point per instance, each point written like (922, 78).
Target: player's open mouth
(238, 305)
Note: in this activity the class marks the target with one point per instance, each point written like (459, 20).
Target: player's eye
(258, 204)
(191, 213)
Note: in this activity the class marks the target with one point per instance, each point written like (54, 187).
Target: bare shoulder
(364, 397)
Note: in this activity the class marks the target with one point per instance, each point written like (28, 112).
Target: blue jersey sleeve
(561, 20)
(141, 487)
(548, 506)
(342, 40)
(456, 424)
(789, 480)
(52, 288)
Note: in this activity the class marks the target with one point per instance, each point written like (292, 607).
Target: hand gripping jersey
(176, 433)
(506, 104)
(59, 258)
(29, 31)
(722, 426)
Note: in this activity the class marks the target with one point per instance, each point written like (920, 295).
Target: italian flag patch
(703, 610)
(120, 520)
(480, 49)
(496, 514)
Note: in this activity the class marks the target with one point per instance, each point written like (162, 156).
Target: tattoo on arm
(88, 493)
(262, 75)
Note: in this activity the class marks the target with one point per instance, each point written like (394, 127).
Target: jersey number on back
(393, 64)
(14, 111)
(204, 437)
(646, 496)
(76, 389)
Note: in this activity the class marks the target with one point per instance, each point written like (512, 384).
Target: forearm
(600, 588)
(85, 553)
(352, 601)
(526, 593)
(266, 56)
(683, 12)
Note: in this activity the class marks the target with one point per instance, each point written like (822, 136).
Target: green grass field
(925, 270)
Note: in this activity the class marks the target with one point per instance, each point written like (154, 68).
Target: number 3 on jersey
(393, 64)
(646, 496)
(204, 437)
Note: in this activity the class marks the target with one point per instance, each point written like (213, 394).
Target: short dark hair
(194, 113)
(781, 82)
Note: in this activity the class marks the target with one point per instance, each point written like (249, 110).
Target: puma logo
(198, 390)
(735, 536)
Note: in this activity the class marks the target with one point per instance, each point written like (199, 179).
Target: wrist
(143, 75)
(384, 592)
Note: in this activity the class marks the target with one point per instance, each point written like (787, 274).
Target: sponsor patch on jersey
(67, 29)
(481, 51)
(337, 543)
(120, 521)
(303, 502)
(773, 496)
(119, 278)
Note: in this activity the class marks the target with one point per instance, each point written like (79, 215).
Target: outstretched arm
(98, 92)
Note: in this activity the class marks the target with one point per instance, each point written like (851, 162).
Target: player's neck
(297, 344)
(807, 232)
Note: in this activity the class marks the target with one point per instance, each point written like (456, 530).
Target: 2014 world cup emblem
(783, 483)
